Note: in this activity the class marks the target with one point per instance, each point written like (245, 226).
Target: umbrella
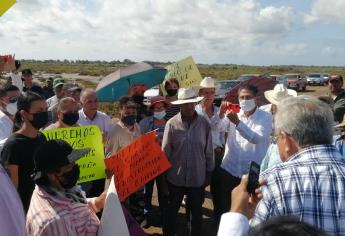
(262, 83)
(117, 84)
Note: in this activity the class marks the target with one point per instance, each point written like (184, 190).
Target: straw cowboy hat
(279, 93)
(186, 95)
(207, 82)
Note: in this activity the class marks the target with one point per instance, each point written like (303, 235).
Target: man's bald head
(89, 102)
(87, 93)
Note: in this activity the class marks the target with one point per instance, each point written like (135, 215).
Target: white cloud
(328, 11)
(329, 51)
(145, 29)
(292, 49)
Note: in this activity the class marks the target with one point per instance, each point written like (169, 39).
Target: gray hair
(86, 92)
(308, 120)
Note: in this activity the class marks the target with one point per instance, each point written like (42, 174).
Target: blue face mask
(129, 120)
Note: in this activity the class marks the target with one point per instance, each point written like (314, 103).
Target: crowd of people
(297, 140)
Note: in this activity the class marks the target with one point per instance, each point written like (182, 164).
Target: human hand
(233, 117)
(244, 202)
(223, 108)
(100, 200)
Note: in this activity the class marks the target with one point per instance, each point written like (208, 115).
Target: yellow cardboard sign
(92, 164)
(185, 71)
(5, 5)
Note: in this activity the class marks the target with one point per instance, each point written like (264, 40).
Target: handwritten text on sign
(137, 164)
(92, 164)
(185, 71)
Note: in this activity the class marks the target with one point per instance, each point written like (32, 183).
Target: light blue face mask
(159, 115)
(247, 105)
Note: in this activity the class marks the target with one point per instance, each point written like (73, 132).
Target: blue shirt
(310, 186)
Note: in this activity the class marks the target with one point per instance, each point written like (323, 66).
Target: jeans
(195, 197)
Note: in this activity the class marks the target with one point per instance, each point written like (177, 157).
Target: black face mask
(39, 119)
(70, 118)
(138, 98)
(70, 178)
(129, 120)
(172, 92)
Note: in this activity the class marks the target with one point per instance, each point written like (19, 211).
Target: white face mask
(11, 108)
(247, 105)
(159, 115)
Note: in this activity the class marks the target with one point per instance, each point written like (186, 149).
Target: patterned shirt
(310, 186)
(55, 216)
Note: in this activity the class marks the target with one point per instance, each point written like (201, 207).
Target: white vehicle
(150, 93)
(315, 79)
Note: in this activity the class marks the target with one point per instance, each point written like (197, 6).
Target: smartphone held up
(253, 177)
(234, 107)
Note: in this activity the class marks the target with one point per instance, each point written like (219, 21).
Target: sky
(251, 32)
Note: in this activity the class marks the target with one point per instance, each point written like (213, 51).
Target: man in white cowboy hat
(248, 139)
(275, 96)
(187, 142)
(207, 89)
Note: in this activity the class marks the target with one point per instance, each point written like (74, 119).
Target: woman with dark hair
(19, 149)
(171, 86)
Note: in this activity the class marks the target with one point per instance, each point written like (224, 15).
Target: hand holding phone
(253, 177)
(234, 107)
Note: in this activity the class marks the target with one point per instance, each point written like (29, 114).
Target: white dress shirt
(6, 126)
(233, 224)
(214, 122)
(101, 120)
(248, 141)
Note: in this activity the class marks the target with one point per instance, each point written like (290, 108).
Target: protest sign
(185, 71)
(5, 5)
(92, 164)
(137, 164)
(113, 218)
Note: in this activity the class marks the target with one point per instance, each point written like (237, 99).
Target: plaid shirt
(310, 186)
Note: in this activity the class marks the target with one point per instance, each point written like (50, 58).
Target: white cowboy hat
(186, 95)
(278, 93)
(207, 82)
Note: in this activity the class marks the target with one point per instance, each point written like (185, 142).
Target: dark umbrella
(117, 84)
(262, 83)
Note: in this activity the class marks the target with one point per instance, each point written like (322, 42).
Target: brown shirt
(189, 150)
